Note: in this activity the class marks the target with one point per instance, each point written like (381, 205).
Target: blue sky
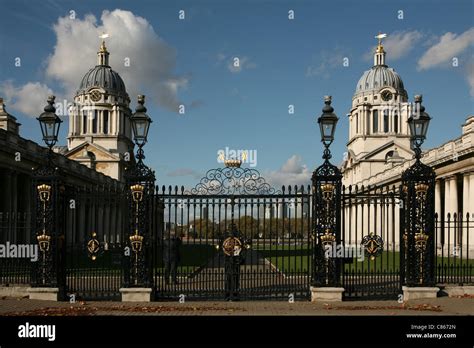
(283, 62)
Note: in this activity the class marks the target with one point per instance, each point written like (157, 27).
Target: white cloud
(292, 172)
(29, 99)
(243, 63)
(397, 44)
(327, 61)
(152, 60)
(470, 75)
(449, 45)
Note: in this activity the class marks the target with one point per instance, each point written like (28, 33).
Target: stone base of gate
(414, 293)
(136, 294)
(326, 294)
(46, 294)
(455, 291)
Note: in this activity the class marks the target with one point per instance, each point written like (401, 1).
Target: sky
(46, 47)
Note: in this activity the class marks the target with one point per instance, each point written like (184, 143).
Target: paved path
(439, 306)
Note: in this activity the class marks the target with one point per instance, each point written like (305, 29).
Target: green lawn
(287, 258)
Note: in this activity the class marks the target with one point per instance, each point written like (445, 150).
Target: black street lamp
(418, 124)
(50, 123)
(327, 126)
(140, 123)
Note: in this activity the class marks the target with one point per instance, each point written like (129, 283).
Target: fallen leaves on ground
(419, 307)
(465, 296)
(92, 310)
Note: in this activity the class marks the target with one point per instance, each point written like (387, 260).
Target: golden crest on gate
(44, 241)
(327, 192)
(137, 192)
(44, 192)
(232, 246)
(137, 242)
(93, 246)
(373, 245)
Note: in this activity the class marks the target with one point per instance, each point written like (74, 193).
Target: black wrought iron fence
(371, 225)
(14, 232)
(454, 249)
(274, 256)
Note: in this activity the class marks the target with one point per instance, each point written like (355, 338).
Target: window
(395, 121)
(106, 122)
(367, 123)
(385, 120)
(94, 122)
(375, 121)
(357, 123)
(84, 121)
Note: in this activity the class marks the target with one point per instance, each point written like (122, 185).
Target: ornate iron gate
(94, 244)
(233, 237)
(372, 219)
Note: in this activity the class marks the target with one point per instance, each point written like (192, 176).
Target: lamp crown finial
(141, 101)
(50, 107)
(418, 99)
(327, 109)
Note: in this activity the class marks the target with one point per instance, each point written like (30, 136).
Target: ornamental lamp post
(50, 123)
(327, 126)
(140, 182)
(417, 254)
(326, 218)
(47, 231)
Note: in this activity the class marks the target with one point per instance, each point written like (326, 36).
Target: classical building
(379, 150)
(378, 130)
(100, 135)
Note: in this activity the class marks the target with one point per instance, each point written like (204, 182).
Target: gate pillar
(140, 188)
(48, 233)
(417, 251)
(326, 217)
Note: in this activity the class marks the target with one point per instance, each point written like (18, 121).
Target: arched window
(395, 121)
(84, 121)
(385, 120)
(375, 121)
(357, 123)
(106, 122)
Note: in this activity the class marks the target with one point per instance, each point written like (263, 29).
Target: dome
(377, 77)
(104, 77)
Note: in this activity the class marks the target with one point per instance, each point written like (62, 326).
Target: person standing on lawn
(171, 256)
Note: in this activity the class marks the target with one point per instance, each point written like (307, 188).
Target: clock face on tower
(95, 95)
(386, 95)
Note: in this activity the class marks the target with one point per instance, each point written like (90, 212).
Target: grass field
(287, 258)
